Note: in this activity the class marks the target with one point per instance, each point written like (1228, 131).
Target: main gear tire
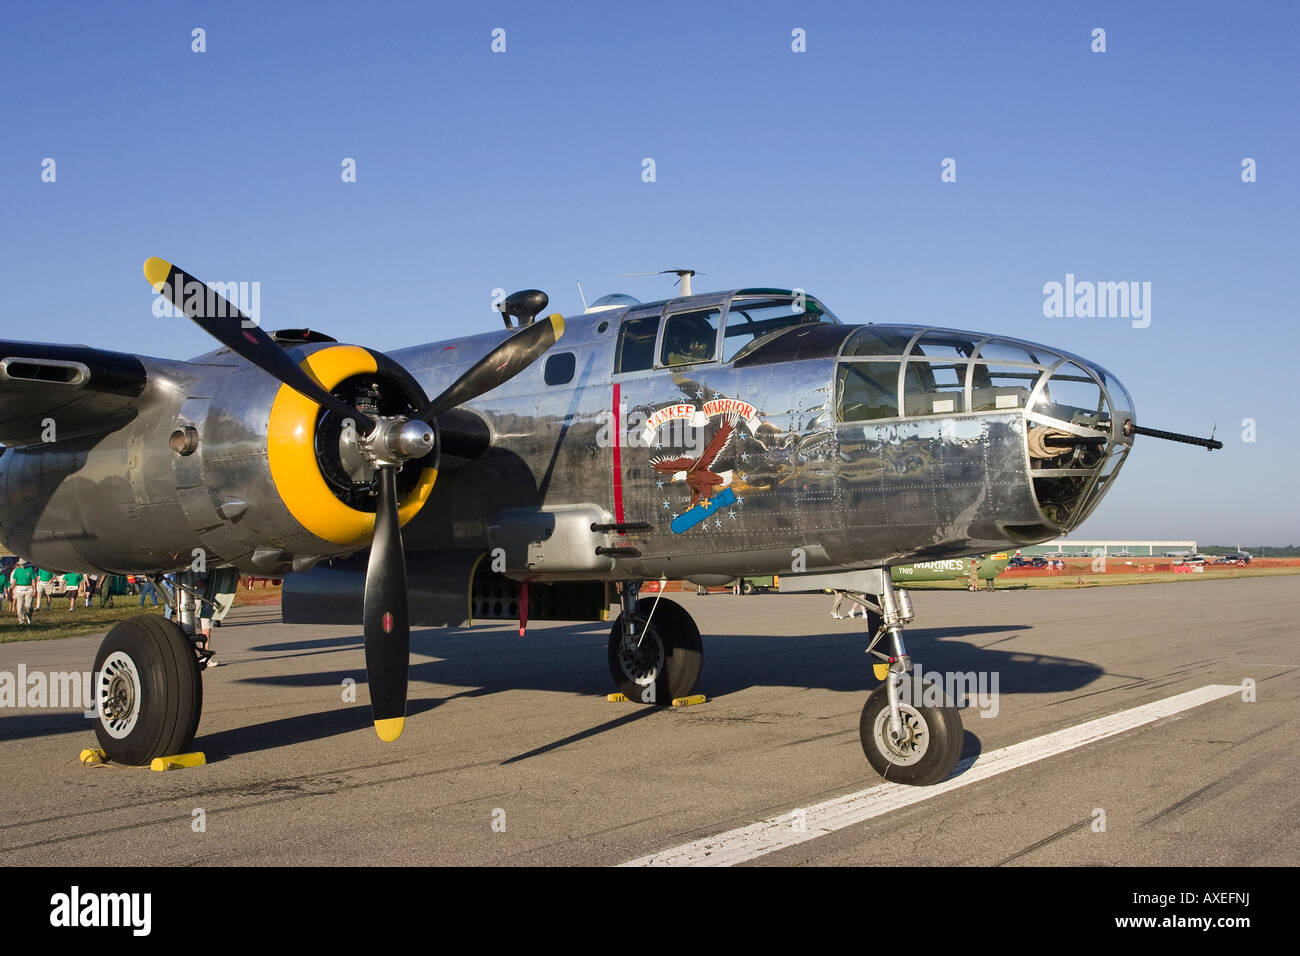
(148, 691)
(664, 661)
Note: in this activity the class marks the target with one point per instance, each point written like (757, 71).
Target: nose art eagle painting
(697, 472)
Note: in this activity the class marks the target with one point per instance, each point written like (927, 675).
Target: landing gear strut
(655, 652)
(904, 741)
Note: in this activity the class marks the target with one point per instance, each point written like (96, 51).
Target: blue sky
(478, 170)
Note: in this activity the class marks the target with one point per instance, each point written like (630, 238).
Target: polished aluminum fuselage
(803, 491)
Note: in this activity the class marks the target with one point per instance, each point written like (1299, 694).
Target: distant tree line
(1256, 550)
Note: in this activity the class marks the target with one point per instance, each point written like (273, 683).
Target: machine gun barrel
(1207, 443)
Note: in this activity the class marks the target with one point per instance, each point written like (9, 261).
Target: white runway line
(777, 833)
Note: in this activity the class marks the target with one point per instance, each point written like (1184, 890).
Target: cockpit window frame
(634, 315)
(686, 309)
(757, 298)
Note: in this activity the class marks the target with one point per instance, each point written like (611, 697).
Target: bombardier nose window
(934, 388)
(867, 390)
(995, 387)
(1072, 395)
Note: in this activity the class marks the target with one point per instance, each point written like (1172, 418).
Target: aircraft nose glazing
(1075, 423)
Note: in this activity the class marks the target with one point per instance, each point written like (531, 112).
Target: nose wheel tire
(148, 691)
(926, 751)
(664, 660)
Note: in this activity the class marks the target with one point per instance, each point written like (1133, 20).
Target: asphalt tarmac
(512, 755)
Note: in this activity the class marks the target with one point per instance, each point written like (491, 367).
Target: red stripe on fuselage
(618, 460)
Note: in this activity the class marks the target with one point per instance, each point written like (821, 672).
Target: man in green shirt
(4, 586)
(24, 582)
(44, 586)
(73, 582)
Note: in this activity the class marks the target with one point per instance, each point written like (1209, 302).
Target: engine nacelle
(222, 462)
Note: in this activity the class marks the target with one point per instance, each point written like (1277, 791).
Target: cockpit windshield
(751, 318)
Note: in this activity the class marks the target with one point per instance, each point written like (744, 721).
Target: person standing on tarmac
(75, 585)
(147, 589)
(24, 583)
(203, 585)
(839, 599)
(44, 586)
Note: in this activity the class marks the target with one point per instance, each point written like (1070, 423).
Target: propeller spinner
(388, 442)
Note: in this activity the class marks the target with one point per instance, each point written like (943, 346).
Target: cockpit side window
(691, 337)
(636, 344)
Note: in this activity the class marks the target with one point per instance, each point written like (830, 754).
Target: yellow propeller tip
(390, 728)
(156, 271)
(557, 325)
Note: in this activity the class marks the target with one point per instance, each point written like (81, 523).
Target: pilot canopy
(700, 329)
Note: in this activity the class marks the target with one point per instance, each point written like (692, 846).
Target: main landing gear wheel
(928, 749)
(666, 662)
(148, 691)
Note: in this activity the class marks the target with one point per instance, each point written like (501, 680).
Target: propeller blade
(387, 623)
(217, 316)
(500, 365)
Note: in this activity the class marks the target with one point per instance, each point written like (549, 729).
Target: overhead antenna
(581, 296)
(683, 277)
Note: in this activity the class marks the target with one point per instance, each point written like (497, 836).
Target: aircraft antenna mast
(683, 277)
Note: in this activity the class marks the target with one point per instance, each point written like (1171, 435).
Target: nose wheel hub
(911, 744)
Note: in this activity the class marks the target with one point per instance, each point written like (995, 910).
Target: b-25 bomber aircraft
(560, 464)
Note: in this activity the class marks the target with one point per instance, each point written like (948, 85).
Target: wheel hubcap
(118, 695)
(643, 664)
(914, 742)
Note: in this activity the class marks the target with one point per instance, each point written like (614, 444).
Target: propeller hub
(414, 440)
(396, 440)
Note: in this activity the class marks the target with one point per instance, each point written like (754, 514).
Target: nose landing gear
(904, 740)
